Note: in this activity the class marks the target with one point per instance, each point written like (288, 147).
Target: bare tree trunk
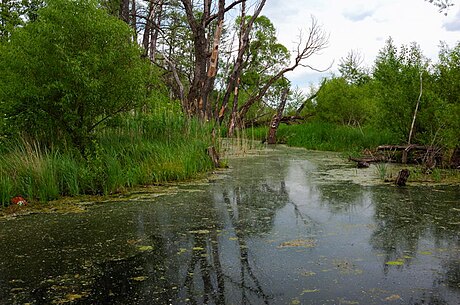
(155, 30)
(148, 27)
(152, 26)
(299, 110)
(411, 132)
(234, 119)
(245, 30)
(200, 85)
(134, 19)
(213, 63)
(277, 118)
(124, 10)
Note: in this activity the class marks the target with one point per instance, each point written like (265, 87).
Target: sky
(363, 26)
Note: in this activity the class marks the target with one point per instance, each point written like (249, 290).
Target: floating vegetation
(140, 278)
(347, 267)
(200, 232)
(304, 243)
(393, 297)
(309, 291)
(145, 248)
(395, 263)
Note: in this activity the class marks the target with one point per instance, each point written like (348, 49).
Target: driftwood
(403, 175)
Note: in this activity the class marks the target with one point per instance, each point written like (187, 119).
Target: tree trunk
(299, 110)
(152, 25)
(234, 119)
(201, 85)
(235, 75)
(277, 118)
(124, 10)
(315, 42)
(411, 132)
(206, 110)
(134, 19)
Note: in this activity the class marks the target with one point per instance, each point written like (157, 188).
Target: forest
(97, 96)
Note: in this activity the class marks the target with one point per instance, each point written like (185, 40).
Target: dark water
(282, 228)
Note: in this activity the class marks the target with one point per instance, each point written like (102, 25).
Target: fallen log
(373, 159)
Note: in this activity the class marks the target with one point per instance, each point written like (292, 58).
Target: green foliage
(345, 103)
(445, 113)
(145, 149)
(68, 72)
(327, 136)
(397, 81)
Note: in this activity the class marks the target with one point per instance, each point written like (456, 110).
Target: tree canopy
(68, 72)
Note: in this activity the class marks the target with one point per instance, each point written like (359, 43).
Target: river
(284, 226)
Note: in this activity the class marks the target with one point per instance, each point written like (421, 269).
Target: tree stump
(403, 175)
(214, 156)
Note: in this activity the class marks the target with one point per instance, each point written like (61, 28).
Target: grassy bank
(324, 136)
(142, 150)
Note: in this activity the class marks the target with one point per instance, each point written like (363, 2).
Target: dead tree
(277, 118)
(312, 97)
(316, 41)
(235, 74)
(411, 132)
(202, 83)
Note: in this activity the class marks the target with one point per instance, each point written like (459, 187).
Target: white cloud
(361, 25)
(453, 25)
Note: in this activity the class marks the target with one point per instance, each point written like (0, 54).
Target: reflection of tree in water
(253, 207)
(250, 210)
(189, 244)
(404, 216)
(341, 197)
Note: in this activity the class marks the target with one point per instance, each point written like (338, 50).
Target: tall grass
(325, 136)
(142, 149)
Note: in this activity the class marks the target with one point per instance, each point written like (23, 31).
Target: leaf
(394, 263)
(145, 248)
(392, 297)
(426, 253)
(140, 278)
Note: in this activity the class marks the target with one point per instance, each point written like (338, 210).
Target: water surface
(286, 227)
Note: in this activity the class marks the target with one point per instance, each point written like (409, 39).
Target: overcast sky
(362, 25)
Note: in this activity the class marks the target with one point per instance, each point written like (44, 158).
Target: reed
(142, 149)
(325, 136)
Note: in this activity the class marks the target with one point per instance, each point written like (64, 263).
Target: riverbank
(352, 141)
(139, 151)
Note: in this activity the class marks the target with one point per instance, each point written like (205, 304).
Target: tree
(351, 68)
(14, 13)
(343, 103)
(442, 119)
(69, 72)
(397, 76)
(203, 74)
(312, 43)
